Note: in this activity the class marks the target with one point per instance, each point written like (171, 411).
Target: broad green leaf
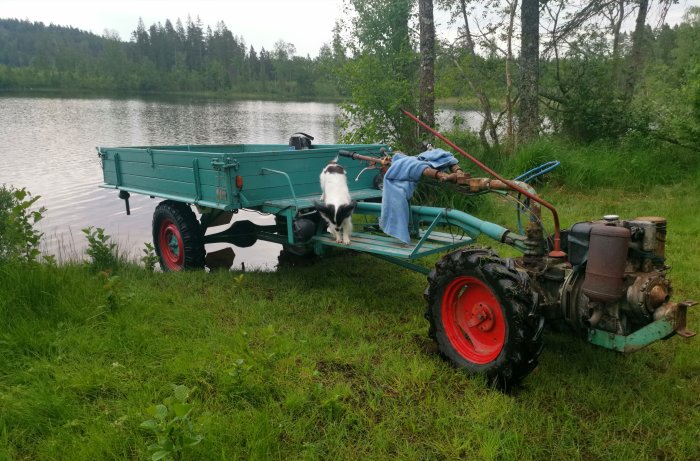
(159, 455)
(161, 412)
(181, 409)
(150, 424)
(181, 393)
(192, 441)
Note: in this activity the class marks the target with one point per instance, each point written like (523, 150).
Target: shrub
(19, 240)
(102, 252)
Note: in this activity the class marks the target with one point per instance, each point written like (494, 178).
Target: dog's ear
(326, 210)
(345, 211)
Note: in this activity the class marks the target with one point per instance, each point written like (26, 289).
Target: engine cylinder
(607, 258)
(659, 245)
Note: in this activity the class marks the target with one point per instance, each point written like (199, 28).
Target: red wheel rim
(171, 246)
(473, 319)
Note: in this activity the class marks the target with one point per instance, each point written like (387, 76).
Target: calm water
(48, 146)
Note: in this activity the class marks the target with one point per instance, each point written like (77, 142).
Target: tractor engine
(616, 281)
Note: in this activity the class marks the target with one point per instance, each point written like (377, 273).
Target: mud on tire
(484, 316)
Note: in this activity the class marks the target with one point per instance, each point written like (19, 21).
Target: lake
(48, 146)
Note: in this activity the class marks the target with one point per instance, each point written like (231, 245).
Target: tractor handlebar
(385, 160)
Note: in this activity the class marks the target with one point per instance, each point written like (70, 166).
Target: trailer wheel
(177, 237)
(484, 316)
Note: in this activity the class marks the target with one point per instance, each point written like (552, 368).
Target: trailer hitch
(669, 319)
(677, 313)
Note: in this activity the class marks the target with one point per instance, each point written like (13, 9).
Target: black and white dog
(337, 206)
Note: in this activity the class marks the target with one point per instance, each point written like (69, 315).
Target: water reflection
(49, 148)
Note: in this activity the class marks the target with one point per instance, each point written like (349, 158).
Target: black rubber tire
(176, 218)
(522, 341)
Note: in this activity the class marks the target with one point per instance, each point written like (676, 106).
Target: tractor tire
(484, 316)
(177, 237)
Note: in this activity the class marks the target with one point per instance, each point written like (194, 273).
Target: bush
(19, 241)
(102, 252)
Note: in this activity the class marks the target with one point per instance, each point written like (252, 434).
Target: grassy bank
(332, 361)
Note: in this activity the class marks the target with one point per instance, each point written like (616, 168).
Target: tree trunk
(616, 27)
(510, 134)
(426, 107)
(475, 85)
(636, 59)
(528, 116)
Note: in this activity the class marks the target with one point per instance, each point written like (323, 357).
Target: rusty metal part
(487, 184)
(534, 231)
(439, 175)
(456, 176)
(556, 253)
(534, 242)
(649, 291)
(677, 313)
(658, 295)
(457, 170)
(384, 160)
(607, 258)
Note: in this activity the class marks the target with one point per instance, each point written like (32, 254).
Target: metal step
(388, 246)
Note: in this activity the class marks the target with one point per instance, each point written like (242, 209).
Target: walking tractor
(604, 279)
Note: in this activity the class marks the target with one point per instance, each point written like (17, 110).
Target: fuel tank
(607, 257)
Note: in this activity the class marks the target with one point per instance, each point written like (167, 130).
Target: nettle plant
(173, 426)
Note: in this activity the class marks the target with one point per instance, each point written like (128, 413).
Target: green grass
(635, 165)
(331, 361)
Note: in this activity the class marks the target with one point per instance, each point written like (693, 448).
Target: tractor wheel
(177, 237)
(484, 316)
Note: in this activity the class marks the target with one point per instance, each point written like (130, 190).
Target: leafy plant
(382, 77)
(173, 426)
(19, 240)
(149, 259)
(111, 288)
(101, 251)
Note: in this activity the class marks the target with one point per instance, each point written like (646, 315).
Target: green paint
(643, 337)
(285, 183)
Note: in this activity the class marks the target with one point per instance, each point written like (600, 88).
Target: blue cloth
(400, 181)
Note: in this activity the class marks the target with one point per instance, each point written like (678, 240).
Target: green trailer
(220, 180)
(605, 279)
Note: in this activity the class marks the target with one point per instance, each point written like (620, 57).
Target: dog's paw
(346, 241)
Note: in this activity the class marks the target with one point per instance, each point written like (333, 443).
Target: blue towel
(399, 183)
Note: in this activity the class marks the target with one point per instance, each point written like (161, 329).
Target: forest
(602, 69)
(163, 58)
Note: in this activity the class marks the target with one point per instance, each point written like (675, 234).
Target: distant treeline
(160, 58)
(595, 81)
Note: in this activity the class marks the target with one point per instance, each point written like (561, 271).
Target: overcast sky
(308, 24)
